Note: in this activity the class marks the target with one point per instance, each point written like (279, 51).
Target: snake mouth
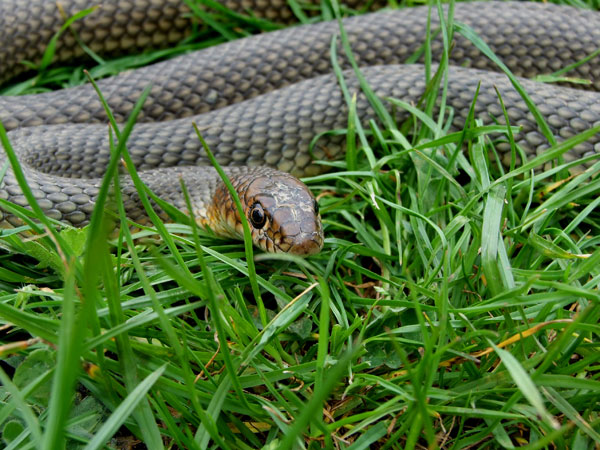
(300, 238)
(309, 245)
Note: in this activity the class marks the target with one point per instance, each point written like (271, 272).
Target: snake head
(282, 212)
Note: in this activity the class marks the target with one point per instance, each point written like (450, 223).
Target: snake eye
(316, 207)
(257, 216)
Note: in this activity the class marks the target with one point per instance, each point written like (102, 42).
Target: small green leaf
(35, 364)
(12, 430)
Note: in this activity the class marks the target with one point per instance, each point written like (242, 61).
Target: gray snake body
(225, 90)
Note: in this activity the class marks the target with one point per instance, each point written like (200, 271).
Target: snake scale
(259, 101)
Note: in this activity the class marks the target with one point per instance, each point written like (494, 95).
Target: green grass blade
(70, 340)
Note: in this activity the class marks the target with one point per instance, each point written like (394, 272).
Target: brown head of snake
(260, 101)
(282, 213)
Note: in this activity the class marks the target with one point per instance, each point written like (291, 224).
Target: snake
(265, 104)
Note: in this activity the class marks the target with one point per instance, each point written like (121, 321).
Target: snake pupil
(257, 216)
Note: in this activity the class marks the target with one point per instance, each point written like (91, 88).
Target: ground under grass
(455, 305)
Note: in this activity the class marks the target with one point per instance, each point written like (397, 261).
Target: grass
(455, 305)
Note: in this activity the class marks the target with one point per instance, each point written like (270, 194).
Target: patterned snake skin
(226, 90)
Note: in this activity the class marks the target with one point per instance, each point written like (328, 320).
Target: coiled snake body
(227, 91)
